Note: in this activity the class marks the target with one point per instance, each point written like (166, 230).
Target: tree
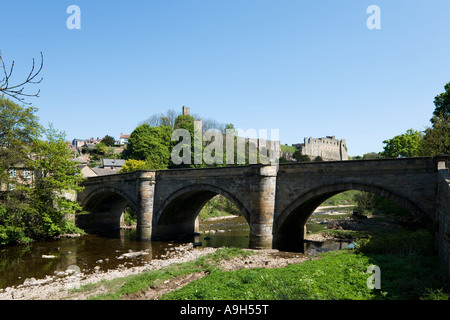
(19, 127)
(57, 176)
(108, 141)
(134, 165)
(318, 159)
(372, 155)
(151, 144)
(186, 122)
(40, 208)
(15, 91)
(437, 138)
(404, 145)
(442, 103)
(167, 119)
(301, 157)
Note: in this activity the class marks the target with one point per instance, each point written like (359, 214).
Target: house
(87, 171)
(123, 138)
(78, 143)
(113, 164)
(20, 175)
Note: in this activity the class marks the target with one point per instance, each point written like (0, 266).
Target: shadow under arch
(289, 224)
(177, 216)
(105, 206)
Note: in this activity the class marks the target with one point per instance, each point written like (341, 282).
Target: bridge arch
(178, 212)
(288, 224)
(105, 206)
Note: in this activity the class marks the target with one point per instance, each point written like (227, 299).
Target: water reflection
(40, 259)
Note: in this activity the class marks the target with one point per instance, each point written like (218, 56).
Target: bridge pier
(262, 191)
(145, 199)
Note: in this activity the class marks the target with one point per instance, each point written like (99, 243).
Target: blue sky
(307, 68)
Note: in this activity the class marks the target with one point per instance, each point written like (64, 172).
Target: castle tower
(186, 111)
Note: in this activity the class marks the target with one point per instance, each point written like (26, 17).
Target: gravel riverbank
(59, 286)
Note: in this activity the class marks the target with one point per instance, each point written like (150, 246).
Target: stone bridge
(276, 201)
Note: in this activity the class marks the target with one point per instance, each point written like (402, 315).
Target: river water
(41, 259)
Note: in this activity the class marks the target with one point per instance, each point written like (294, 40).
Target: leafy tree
(372, 155)
(318, 159)
(134, 165)
(301, 157)
(108, 141)
(437, 138)
(19, 127)
(101, 148)
(40, 208)
(404, 145)
(151, 144)
(186, 122)
(57, 177)
(442, 103)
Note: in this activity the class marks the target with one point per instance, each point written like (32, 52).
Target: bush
(129, 217)
(11, 234)
(218, 206)
(402, 243)
(370, 203)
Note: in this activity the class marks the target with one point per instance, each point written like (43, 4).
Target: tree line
(150, 145)
(432, 141)
(36, 176)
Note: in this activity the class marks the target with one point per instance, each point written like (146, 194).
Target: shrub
(402, 243)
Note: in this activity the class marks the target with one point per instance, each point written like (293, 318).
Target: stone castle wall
(328, 148)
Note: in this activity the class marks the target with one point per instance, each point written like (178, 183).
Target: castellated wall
(328, 148)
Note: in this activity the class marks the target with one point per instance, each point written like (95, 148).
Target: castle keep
(328, 148)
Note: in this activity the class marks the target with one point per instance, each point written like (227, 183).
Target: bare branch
(16, 91)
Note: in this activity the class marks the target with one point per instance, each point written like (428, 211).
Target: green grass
(410, 270)
(343, 198)
(134, 284)
(337, 275)
(289, 149)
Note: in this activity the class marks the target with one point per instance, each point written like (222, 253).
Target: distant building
(186, 111)
(113, 164)
(78, 143)
(123, 138)
(87, 172)
(328, 148)
(21, 175)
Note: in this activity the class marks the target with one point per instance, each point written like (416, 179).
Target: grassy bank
(408, 272)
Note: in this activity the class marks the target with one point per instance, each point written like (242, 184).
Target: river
(95, 252)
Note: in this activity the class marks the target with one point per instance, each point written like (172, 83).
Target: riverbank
(61, 286)
(189, 272)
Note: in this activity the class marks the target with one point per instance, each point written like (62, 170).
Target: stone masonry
(276, 201)
(328, 148)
